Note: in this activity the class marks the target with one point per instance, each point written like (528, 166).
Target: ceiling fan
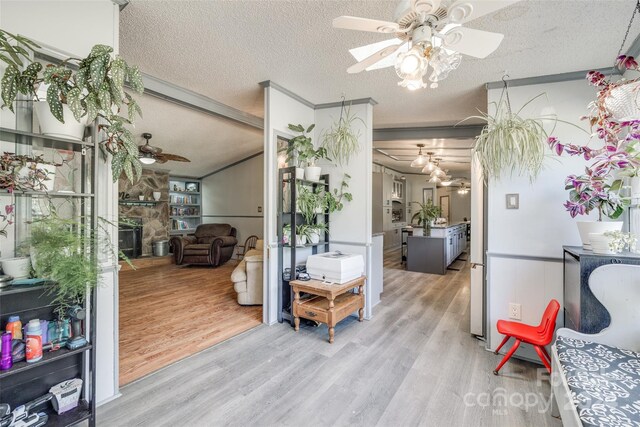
(150, 154)
(428, 33)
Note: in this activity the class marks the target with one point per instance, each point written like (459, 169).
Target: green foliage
(94, 90)
(301, 149)
(65, 252)
(308, 201)
(341, 141)
(333, 200)
(427, 212)
(511, 143)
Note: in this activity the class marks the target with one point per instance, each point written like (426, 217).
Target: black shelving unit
(27, 381)
(288, 215)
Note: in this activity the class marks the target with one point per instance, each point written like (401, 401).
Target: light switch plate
(513, 201)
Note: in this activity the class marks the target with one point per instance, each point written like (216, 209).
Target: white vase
(312, 173)
(596, 227)
(600, 244)
(301, 240)
(49, 125)
(314, 236)
(299, 173)
(156, 195)
(622, 102)
(18, 268)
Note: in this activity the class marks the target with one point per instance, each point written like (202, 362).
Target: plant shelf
(29, 138)
(69, 418)
(307, 182)
(306, 245)
(47, 357)
(139, 202)
(184, 192)
(57, 194)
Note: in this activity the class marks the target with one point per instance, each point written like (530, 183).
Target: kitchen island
(434, 254)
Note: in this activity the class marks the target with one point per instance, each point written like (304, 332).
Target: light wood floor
(414, 363)
(169, 312)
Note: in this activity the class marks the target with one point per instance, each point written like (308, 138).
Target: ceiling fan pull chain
(626, 34)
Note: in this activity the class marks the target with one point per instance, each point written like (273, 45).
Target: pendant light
(421, 160)
(430, 166)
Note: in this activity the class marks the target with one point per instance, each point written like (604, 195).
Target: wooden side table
(329, 304)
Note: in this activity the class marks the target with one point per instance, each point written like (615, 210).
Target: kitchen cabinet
(387, 189)
(398, 190)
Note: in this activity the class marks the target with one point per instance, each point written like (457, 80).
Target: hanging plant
(94, 90)
(510, 143)
(341, 140)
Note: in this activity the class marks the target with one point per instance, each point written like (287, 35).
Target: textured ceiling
(222, 49)
(209, 142)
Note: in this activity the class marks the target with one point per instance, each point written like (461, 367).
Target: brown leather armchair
(211, 244)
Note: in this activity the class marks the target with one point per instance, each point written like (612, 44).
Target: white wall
(73, 27)
(351, 227)
(459, 204)
(279, 110)
(541, 226)
(415, 184)
(235, 196)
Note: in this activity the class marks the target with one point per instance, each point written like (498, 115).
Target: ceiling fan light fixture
(147, 159)
(435, 180)
(411, 65)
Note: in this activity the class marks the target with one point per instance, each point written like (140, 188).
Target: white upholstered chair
(247, 277)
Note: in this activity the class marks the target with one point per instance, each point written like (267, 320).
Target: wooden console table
(330, 303)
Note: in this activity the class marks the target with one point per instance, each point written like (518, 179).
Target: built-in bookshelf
(185, 200)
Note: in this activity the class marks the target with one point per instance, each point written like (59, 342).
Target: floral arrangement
(619, 154)
(620, 241)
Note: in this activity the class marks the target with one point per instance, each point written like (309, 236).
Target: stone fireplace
(153, 215)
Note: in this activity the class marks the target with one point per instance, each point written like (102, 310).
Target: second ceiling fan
(150, 154)
(428, 34)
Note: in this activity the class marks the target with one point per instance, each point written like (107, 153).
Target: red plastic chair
(538, 336)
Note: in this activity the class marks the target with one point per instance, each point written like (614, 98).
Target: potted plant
(312, 171)
(341, 140)
(427, 213)
(298, 148)
(65, 253)
(22, 173)
(616, 155)
(307, 202)
(94, 90)
(315, 231)
(302, 234)
(510, 142)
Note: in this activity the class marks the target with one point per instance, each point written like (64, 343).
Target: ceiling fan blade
(174, 157)
(476, 43)
(466, 10)
(362, 52)
(372, 59)
(425, 6)
(146, 148)
(364, 24)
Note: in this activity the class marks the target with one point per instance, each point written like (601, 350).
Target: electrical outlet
(515, 311)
